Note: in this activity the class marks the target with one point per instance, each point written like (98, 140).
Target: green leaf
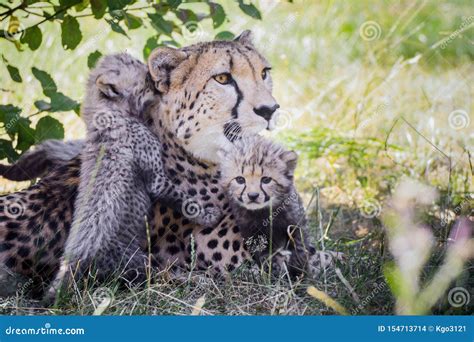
(224, 35)
(117, 28)
(132, 21)
(217, 14)
(161, 8)
(174, 3)
(5, 109)
(49, 128)
(16, 125)
(151, 44)
(82, 5)
(32, 37)
(26, 135)
(7, 151)
(70, 33)
(186, 15)
(250, 10)
(159, 24)
(47, 82)
(117, 4)
(7, 112)
(93, 58)
(62, 103)
(42, 105)
(14, 73)
(170, 43)
(68, 3)
(98, 8)
(118, 15)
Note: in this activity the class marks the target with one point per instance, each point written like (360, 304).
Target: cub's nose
(253, 195)
(266, 111)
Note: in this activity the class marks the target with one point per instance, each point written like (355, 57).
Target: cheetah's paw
(209, 217)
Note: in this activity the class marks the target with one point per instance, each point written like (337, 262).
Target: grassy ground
(364, 108)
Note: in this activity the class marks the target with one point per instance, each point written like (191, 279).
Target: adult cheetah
(209, 95)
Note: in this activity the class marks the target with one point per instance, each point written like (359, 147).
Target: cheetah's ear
(245, 38)
(107, 86)
(291, 159)
(161, 63)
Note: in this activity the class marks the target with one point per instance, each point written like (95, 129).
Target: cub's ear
(161, 63)
(245, 38)
(291, 159)
(108, 85)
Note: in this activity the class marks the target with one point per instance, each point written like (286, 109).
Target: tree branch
(2, 33)
(6, 14)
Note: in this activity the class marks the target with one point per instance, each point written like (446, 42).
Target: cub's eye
(265, 72)
(240, 180)
(266, 180)
(224, 78)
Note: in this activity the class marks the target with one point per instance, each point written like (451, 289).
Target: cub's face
(213, 93)
(257, 173)
(118, 82)
(123, 78)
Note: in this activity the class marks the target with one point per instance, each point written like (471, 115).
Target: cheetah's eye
(224, 78)
(265, 73)
(240, 180)
(266, 180)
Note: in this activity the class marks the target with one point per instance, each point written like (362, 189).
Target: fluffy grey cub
(121, 175)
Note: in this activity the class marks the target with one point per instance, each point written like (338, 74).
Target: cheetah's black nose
(266, 111)
(253, 196)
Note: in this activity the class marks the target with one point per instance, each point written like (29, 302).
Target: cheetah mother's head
(213, 93)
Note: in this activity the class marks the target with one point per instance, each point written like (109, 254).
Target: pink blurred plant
(411, 243)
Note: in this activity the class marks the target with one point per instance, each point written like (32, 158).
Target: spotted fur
(194, 117)
(258, 175)
(122, 173)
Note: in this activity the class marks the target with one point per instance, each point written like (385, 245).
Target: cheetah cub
(258, 176)
(121, 176)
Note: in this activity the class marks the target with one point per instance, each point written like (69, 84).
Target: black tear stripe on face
(267, 198)
(234, 84)
(241, 194)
